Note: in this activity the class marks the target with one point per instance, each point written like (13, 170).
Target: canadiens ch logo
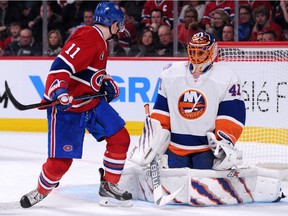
(102, 56)
(68, 148)
(192, 104)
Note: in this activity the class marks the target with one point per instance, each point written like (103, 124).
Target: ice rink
(21, 157)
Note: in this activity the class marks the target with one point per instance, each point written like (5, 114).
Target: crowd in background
(149, 24)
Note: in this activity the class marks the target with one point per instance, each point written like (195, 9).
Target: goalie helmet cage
(263, 70)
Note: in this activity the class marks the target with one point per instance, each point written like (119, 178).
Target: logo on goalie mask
(192, 104)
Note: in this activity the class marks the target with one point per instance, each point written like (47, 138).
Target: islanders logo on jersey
(192, 104)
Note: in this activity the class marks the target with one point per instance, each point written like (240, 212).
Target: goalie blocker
(206, 187)
(153, 141)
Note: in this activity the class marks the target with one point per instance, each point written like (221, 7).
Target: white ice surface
(21, 158)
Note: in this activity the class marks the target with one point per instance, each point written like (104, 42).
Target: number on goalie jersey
(197, 97)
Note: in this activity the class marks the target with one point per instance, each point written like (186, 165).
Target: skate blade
(111, 202)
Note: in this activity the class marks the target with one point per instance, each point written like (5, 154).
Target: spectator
(246, 23)
(198, 5)
(88, 20)
(263, 23)
(225, 5)
(228, 33)
(256, 3)
(29, 11)
(117, 49)
(155, 21)
(166, 6)
(14, 35)
(219, 20)
(281, 18)
(145, 45)
(128, 36)
(190, 26)
(269, 36)
(259, 36)
(54, 21)
(55, 43)
(134, 9)
(9, 12)
(72, 15)
(165, 46)
(26, 46)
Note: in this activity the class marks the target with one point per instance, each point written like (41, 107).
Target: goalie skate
(31, 198)
(111, 195)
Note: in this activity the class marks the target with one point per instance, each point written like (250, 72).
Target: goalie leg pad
(206, 187)
(268, 186)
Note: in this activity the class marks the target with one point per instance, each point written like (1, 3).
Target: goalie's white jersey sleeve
(190, 108)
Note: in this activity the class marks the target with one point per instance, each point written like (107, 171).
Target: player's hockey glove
(58, 91)
(110, 87)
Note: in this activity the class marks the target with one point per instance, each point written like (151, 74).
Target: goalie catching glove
(226, 155)
(110, 88)
(58, 91)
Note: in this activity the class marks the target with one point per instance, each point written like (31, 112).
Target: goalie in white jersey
(196, 120)
(200, 103)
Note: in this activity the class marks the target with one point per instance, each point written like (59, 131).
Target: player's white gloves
(226, 154)
(110, 87)
(58, 91)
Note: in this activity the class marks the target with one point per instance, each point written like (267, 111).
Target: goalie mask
(202, 51)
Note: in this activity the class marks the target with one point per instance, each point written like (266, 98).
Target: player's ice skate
(31, 198)
(111, 195)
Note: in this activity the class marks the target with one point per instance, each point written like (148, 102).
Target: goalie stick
(20, 106)
(159, 198)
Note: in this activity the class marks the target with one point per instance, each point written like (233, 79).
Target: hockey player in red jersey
(80, 69)
(200, 103)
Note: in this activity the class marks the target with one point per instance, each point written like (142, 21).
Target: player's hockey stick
(159, 198)
(20, 106)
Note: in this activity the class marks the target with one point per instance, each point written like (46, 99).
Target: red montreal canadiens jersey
(211, 7)
(190, 109)
(82, 65)
(166, 6)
